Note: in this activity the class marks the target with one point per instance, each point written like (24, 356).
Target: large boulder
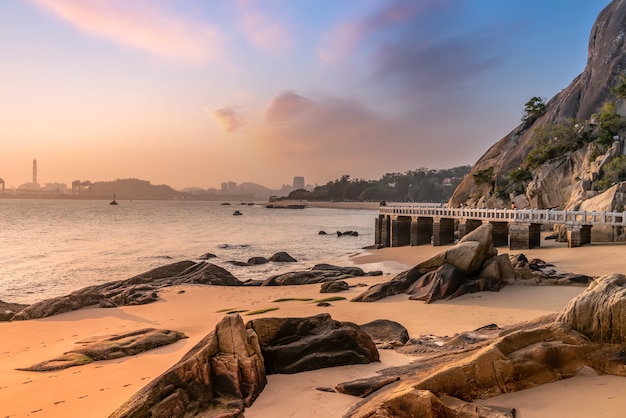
(463, 268)
(600, 311)
(220, 376)
(386, 333)
(292, 345)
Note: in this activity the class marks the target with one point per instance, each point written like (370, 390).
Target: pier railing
(535, 216)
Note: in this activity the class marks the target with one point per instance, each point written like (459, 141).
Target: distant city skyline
(190, 93)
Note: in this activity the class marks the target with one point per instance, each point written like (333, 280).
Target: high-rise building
(34, 172)
(298, 183)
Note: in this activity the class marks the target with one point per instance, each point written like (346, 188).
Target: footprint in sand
(83, 397)
(54, 375)
(59, 402)
(27, 382)
(103, 389)
(76, 372)
(98, 367)
(127, 385)
(36, 410)
(143, 378)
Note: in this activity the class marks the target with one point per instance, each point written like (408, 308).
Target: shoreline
(97, 389)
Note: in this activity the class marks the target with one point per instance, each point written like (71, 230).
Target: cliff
(559, 158)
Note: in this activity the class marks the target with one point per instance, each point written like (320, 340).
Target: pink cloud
(262, 31)
(139, 24)
(229, 118)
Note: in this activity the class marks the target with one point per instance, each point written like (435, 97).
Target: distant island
(421, 185)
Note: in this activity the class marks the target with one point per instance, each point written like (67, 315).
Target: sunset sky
(197, 92)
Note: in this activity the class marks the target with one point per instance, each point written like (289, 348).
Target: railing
(536, 216)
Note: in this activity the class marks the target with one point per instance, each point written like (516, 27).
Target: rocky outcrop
(220, 376)
(470, 265)
(292, 345)
(586, 338)
(320, 273)
(8, 310)
(137, 290)
(600, 312)
(108, 348)
(565, 181)
(335, 286)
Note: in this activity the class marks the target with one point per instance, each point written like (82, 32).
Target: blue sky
(193, 93)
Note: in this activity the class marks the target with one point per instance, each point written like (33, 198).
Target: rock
(108, 348)
(347, 234)
(207, 256)
(282, 257)
(320, 273)
(322, 233)
(220, 376)
(334, 286)
(600, 311)
(437, 284)
(472, 250)
(352, 271)
(386, 333)
(257, 260)
(137, 290)
(238, 263)
(292, 345)
(365, 386)
(8, 310)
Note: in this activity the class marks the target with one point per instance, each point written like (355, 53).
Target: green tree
(533, 109)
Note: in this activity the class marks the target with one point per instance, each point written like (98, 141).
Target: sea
(52, 247)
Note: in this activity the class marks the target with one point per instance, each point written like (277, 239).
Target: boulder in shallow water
(282, 257)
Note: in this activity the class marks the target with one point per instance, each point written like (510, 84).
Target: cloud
(263, 31)
(141, 25)
(318, 128)
(345, 38)
(228, 118)
(419, 53)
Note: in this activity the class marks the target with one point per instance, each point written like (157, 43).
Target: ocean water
(53, 247)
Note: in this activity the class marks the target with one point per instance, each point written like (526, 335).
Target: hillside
(567, 153)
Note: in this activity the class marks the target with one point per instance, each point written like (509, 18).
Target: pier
(520, 229)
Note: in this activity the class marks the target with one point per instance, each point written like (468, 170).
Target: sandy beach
(97, 389)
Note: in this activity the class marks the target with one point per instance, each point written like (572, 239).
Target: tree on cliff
(533, 109)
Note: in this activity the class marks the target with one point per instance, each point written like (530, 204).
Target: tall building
(34, 172)
(232, 187)
(298, 183)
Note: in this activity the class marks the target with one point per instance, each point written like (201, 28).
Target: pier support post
(443, 231)
(524, 236)
(421, 230)
(578, 235)
(382, 233)
(468, 225)
(401, 231)
(500, 233)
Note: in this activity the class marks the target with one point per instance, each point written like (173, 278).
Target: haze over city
(191, 93)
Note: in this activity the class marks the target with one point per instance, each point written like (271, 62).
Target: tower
(34, 171)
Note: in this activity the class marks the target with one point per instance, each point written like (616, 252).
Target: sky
(192, 93)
